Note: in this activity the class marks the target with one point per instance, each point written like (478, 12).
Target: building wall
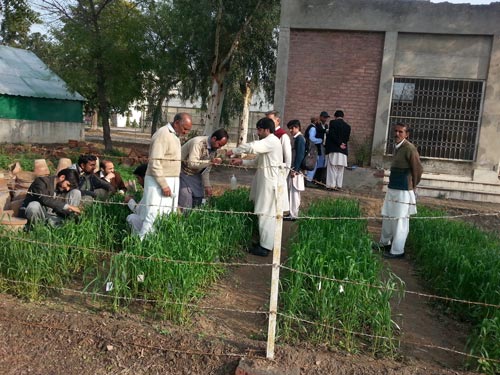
(330, 70)
(420, 38)
(24, 131)
(40, 109)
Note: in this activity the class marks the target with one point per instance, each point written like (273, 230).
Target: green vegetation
(338, 249)
(96, 249)
(155, 270)
(460, 261)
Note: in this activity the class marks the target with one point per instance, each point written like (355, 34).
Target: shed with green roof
(36, 106)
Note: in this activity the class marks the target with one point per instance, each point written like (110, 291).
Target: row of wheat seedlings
(151, 269)
(50, 257)
(460, 261)
(340, 249)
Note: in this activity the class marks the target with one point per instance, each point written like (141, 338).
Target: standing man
(265, 182)
(316, 133)
(107, 173)
(198, 155)
(336, 151)
(286, 146)
(296, 178)
(400, 201)
(161, 184)
(51, 199)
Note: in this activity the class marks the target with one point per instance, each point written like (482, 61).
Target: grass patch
(460, 261)
(339, 249)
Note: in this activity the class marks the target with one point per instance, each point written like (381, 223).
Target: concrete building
(433, 66)
(35, 104)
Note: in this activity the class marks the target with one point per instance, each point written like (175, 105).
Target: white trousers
(135, 223)
(155, 203)
(267, 224)
(334, 175)
(394, 232)
(295, 186)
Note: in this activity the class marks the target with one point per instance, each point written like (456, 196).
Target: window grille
(443, 115)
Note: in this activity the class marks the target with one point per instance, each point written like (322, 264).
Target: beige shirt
(164, 155)
(196, 158)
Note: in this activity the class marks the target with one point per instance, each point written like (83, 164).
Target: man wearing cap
(316, 133)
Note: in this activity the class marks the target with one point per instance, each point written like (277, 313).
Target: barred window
(443, 115)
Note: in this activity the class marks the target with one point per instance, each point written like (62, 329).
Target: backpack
(311, 155)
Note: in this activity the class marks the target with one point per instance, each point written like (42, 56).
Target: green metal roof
(22, 73)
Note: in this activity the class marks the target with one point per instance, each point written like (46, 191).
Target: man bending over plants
(198, 155)
(51, 199)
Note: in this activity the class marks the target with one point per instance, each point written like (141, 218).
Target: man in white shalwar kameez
(161, 184)
(286, 145)
(266, 181)
(400, 201)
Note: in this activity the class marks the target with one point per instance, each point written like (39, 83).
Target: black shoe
(259, 251)
(393, 256)
(310, 184)
(289, 218)
(379, 247)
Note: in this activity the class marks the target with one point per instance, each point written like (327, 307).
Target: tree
(253, 70)
(99, 53)
(212, 32)
(164, 66)
(16, 20)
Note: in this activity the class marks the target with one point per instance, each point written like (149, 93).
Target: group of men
(331, 140)
(51, 199)
(178, 176)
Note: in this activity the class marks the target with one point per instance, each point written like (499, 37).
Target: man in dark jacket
(90, 185)
(336, 150)
(107, 173)
(50, 199)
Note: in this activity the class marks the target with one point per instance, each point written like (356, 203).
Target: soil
(73, 335)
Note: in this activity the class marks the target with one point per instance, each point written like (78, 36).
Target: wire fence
(107, 253)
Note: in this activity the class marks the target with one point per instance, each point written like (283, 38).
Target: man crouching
(51, 199)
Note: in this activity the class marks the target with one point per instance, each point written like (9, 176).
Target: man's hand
(216, 161)
(109, 176)
(166, 191)
(127, 198)
(208, 191)
(236, 161)
(229, 153)
(343, 146)
(74, 209)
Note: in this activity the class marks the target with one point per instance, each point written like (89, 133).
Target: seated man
(51, 199)
(108, 174)
(90, 185)
(134, 219)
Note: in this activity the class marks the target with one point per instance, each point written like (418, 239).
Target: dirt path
(420, 321)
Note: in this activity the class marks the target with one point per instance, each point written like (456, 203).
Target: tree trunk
(245, 117)
(157, 115)
(214, 107)
(103, 108)
(94, 120)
